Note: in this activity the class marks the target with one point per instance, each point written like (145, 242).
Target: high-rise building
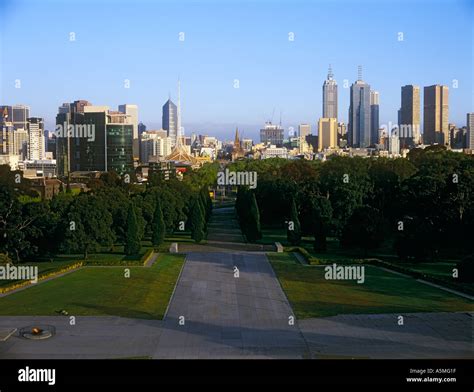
(21, 113)
(20, 143)
(17, 114)
(78, 106)
(6, 131)
(303, 131)
(359, 134)
(141, 128)
(470, 130)
(394, 143)
(93, 138)
(13, 130)
(341, 129)
(409, 121)
(36, 141)
(132, 111)
(6, 138)
(453, 131)
(272, 134)
(341, 134)
(69, 114)
(330, 96)
(51, 145)
(327, 133)
(154, 144)
(170, 120)
(374, 117)
(112, 147)
(436, 115)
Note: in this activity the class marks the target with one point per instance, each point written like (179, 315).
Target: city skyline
(241, 179)
(212, 62)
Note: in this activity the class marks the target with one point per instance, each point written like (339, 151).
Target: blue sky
(246, 40)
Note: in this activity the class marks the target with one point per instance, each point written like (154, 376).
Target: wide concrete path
(216, 313)
(224, 235)
(424, 335)
(377, 336)
(90, 337)
(226, 316)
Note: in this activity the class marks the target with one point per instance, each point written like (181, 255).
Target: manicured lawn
(439, 268)
(101, 291)
(311, 295)
(58, 262)
(46, 267)
(117, 255)
(284, 257)
(270, 236)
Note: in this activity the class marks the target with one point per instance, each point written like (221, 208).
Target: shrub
(466, 269)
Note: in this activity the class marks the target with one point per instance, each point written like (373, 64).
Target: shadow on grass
(116, 310)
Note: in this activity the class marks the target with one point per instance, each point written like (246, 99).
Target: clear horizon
(140, 41)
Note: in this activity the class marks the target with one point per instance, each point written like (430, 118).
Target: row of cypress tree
(132, 236)
(248, 214)
(200, 210)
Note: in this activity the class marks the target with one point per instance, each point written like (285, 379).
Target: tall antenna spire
(359, 72)
(330, 74)
(178, 121)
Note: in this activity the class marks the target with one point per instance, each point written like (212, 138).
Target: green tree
(321, 214)
(253, 231)
(363, 230)
(159, 228)
(466, 269)
(345, 181)
(206, 201)
(293, 232)
(132, 236)
(419, 239)
(21, 223)
(197, 221)
(87, 225)
(117, 203)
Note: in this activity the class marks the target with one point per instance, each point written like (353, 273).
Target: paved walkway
(90, 337)
(227, 316)
(224, 235)
(422, 335)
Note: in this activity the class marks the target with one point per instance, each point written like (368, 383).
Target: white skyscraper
(155, 144)
(36, 150)
(394, 143)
